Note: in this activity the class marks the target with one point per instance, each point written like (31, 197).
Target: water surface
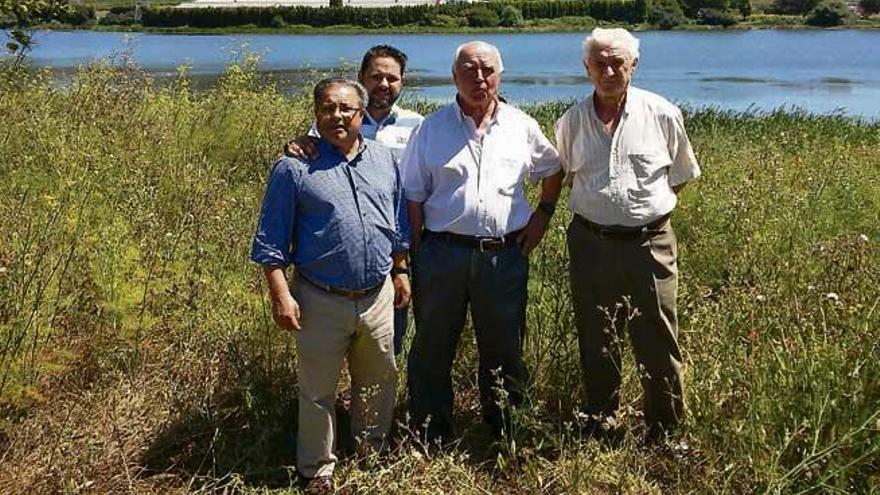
(820, 71)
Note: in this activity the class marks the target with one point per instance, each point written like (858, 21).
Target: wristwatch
(548, 207)
(400, 271)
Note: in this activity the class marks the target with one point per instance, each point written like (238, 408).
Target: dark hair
(324, 84)
(383, 51)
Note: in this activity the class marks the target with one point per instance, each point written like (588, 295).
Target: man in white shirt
(382, 73)
(626, 156)
(465, 169)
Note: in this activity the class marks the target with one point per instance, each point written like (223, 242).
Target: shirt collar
(496, 116)
(628, 103)
(390, 119)
(328, 150)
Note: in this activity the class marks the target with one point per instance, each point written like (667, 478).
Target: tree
(828, 13)
(869, 7)
(793, 7)
(511, 16)
(666, 14)
(17, 18)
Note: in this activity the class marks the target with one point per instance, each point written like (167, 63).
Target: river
(821, 71)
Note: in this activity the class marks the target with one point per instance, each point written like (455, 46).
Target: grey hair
(482, 45)
(322, 87)
(616, 37)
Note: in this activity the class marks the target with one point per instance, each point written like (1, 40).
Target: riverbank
(139, 355)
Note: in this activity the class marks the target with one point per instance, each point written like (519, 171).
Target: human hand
(402, 290)
(533, 232)
(285, 312)
(302, 147)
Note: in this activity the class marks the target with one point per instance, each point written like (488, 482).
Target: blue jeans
(447, 278)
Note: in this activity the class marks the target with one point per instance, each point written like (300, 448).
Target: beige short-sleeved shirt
(625, 179)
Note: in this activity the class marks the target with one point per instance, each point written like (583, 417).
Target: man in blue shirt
(339, 219)
(382, 72)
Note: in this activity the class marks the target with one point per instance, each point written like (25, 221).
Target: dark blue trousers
(447, 279)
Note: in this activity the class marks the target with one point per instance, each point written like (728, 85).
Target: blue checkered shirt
(336, 221)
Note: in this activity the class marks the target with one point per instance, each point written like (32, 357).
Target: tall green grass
(137, 351)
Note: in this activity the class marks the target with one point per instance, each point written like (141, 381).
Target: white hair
(482, 46)
(614, 37)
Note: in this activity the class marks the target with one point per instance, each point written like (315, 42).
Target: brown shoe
(320, 485)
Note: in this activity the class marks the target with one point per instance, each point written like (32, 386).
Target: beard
(382, 101)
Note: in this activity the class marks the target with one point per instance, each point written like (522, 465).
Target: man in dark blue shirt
(340, 220)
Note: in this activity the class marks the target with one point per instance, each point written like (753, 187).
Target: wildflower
(832, 296)
(863, 237)
(760, 297)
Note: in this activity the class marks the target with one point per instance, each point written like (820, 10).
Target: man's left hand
(532, 234)
(401, 290)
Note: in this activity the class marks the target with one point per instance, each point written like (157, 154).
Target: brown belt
(477, 242)
(624, 233)
(346, 293)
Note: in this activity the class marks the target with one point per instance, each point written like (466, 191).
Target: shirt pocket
(649, 164)
(508, 176)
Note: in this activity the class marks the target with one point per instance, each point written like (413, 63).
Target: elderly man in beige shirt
(626, 156)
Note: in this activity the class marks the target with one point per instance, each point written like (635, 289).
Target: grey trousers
(603, 272)
(335, 328)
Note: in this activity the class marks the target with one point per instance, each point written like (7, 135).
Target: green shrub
(715, 17)
(792, 7)
(278, 21)
(77, 15)
(511, 16)
(335, 3)
(666, 14)
(828, 13)
(446, 21)
(481, 16)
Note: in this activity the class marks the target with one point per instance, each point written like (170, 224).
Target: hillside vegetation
(137, 350)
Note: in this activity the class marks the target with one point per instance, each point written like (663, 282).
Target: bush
(481, 16)
(792, 7)
(666, 14)
(77, 15)
(828, 13)
(278, 21)
(446, 21)
(112, 19)
(335, 3)
(511, 16)
(869, 7)
(715, 17)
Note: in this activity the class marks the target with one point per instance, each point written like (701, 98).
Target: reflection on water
(737, 70)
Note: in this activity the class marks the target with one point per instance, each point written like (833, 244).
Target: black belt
(477, 242)
(346, 293)
(625, 233)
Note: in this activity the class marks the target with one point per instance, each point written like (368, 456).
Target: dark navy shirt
(337, 221)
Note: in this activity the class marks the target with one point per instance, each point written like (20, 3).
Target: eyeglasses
(346, 111)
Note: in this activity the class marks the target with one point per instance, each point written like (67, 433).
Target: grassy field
(137, 353)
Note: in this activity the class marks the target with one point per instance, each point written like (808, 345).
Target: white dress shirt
(473, 183)
(625, 179)
(394, 130)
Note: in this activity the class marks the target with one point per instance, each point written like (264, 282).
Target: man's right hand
(285, 312)
(302, 147)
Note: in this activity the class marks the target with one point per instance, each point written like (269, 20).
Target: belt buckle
(484, 241)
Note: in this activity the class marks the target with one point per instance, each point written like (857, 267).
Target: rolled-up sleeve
(271, 246)
(544, 157)
(416, 181)
(684, 166)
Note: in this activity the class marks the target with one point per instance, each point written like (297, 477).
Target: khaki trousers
(604, 271)
(336, 328)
